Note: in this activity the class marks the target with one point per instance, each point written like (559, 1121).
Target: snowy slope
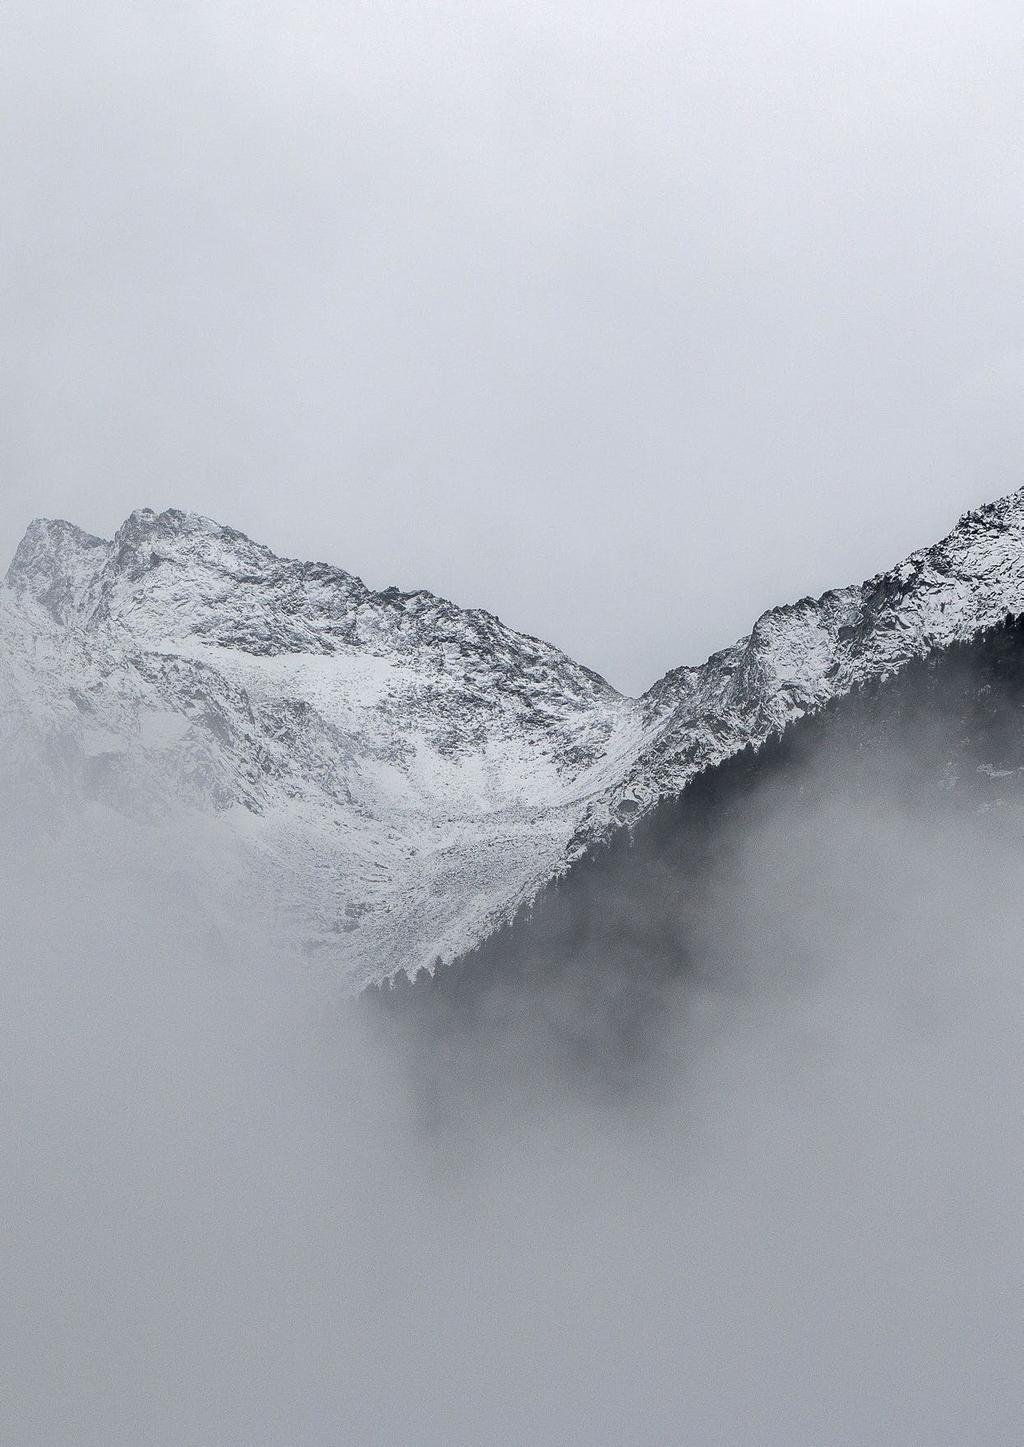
(394, 774)
(397, 770)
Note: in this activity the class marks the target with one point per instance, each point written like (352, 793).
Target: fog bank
(228, 1223)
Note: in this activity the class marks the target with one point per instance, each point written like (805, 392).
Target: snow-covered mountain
(394, 774)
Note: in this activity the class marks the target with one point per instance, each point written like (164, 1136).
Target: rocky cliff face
(394, 774)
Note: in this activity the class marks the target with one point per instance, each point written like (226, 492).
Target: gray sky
(624, 320)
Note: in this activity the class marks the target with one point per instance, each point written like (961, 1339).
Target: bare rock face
(393, 775)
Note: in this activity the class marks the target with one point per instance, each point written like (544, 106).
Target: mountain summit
(396, 774)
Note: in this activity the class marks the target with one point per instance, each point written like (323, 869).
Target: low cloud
(232, 1217)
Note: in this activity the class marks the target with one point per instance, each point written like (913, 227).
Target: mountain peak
(185, 535)
(73, 573)
(54, 562)
(49, 536)
(176, 575)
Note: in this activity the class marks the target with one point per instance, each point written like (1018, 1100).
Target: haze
(624, 321)
(231, 1217)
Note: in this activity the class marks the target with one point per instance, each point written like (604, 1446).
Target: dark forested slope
(586, 975)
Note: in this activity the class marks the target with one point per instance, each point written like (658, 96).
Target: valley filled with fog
(244, 1209)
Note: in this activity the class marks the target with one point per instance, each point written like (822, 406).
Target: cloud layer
(233, 1216)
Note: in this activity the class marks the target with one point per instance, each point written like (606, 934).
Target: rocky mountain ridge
(395, 774)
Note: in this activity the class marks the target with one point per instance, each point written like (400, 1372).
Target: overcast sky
(623, 320)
